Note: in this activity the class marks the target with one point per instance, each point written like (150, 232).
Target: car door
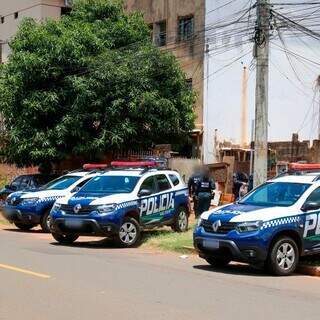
(165, 208)
(311, 232)
(147, 203)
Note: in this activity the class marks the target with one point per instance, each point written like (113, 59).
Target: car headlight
(249, 226)
(29, 201)
(106, 208)
(57, 206)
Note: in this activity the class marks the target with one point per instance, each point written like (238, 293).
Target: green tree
(89, 83)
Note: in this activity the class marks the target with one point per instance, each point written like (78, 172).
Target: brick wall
(8, 172)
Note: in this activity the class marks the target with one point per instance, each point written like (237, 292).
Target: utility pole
(262, 83)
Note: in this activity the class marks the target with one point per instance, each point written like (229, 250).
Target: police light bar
(131, 164)
(89, 166)
(303, 166)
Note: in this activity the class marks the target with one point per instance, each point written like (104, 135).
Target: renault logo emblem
(216, 225)
(77, 208)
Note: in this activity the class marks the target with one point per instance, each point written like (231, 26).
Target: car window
(16, 182)
(282, 194)
(314, 196)
(111, 184)
(61, 183)
(174, 179)
(163, 182)
(149, 184)
(25, 183)
(82, 183)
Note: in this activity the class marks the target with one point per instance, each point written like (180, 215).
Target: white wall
(289, 100)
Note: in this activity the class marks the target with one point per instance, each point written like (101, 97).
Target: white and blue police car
(28, 209)
(274, 225)
(119, 204)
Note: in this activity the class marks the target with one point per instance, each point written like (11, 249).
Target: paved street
(93, 280)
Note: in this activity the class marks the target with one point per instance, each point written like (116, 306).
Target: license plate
(73, 223)
(211, 244)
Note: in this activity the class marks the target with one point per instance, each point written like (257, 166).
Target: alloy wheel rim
(286, 256)
(182, 220)
(48, 221)
(128, 233)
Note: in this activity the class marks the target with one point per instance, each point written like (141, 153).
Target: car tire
(218, 262)
(45, 221)
(283, 256)
(64, 238)
(181, 220)
(24, 226)
(129, 233)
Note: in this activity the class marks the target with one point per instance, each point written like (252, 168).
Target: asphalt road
(40, 280)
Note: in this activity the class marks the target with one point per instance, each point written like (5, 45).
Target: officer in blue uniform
(192, 185)
(204, 192)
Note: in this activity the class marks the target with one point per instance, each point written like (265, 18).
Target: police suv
(273, 225)
(28, 209)
(121, 203)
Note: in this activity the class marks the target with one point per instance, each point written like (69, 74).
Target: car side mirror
(14, 188)
(310, 206)
(144, 193)
(7, 186)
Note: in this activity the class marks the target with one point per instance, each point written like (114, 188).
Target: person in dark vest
(192, 184)
(204, 191)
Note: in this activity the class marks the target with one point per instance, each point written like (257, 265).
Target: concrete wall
(184, 166)
(189, 53)
(37, 9)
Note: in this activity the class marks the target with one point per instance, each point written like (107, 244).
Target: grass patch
(168, 240)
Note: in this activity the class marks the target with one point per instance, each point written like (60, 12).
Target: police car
(28, 209)
(122, 202)
(274, 225)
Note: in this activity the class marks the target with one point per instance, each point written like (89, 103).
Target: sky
(293, 106)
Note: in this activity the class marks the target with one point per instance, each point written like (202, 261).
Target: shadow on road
(36, 231)
(93, 244)
(237, 269)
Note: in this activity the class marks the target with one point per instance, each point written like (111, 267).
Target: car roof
(311, 178)
(82, 174)
(137, 172)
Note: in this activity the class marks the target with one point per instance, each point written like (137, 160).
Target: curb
(302, 269)
(309, 270)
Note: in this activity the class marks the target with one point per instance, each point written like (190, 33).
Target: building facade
(178, 26)
(13, 11)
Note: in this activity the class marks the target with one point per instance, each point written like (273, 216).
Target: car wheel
(23, 226)
(45, 221)
(283, 257)
(65, 239)
(181, 221)
(129, 233)
(218, 262)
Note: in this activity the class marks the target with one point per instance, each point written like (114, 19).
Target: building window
(185, 28)
(65, 11)
(160, 33)
(2, 19)
(16, 15)
(189, 84)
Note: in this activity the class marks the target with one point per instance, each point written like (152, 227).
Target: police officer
(192, 184)
(204, 192)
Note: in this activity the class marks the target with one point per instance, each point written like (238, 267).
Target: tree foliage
(89, 83)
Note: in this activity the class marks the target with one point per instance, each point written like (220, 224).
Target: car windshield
(283, 194)
(111, 184)
(61, 183)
